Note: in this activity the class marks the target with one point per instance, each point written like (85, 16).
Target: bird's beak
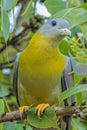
(66, 32)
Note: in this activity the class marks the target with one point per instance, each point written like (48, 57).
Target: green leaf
(84, 29)
(75, 30)
(54, 6)
(5, 24)
(72, 91)
(79, 97)
(9, 125)
(2, 106)
(9, 4)
(84, 5)
(28, 127)
(74, 16)
(27, 11)
(19, 126)
(78, 78)
(75, 2)
(78, 125)
(1, 111)
(1, 126)
(64, 47)
(27, 8)
(3, 92)
(47, 120)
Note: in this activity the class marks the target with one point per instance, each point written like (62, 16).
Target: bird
(39, 67)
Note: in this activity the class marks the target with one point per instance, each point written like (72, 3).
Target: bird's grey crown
(54, 30)
(60, 23)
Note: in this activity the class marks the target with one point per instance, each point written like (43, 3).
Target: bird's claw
(23, 109)
(40, 109)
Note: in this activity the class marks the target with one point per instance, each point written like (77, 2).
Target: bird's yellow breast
(40, 68)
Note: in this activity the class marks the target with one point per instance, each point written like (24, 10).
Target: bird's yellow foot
(23, 109)
(41, 108)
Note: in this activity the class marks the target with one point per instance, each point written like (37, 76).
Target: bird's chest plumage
(42, 68)
(40, 78)
(40, 74)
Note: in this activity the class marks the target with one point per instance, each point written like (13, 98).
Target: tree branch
(60, 111)
(67, 111)
(7, 64)
(15, 39)
(11, 116)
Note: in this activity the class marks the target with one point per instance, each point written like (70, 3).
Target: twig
(15, 39)
(64, 111)
(60, 111)
(7, 64)
(6, 67)
(11, 116)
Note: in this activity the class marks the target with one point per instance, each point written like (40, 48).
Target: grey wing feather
(67, 81)
(15, 80)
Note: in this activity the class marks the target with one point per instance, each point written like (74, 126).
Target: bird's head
(56, 29)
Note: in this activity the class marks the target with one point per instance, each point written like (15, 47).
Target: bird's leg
(41, 108)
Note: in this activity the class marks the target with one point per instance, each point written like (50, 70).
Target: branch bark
(12, 116)
(67, 111)
(60, 111)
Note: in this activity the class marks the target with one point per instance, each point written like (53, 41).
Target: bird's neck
(43, 46)
(44, 41)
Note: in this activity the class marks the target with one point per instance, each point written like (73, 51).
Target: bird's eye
(53, 23)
